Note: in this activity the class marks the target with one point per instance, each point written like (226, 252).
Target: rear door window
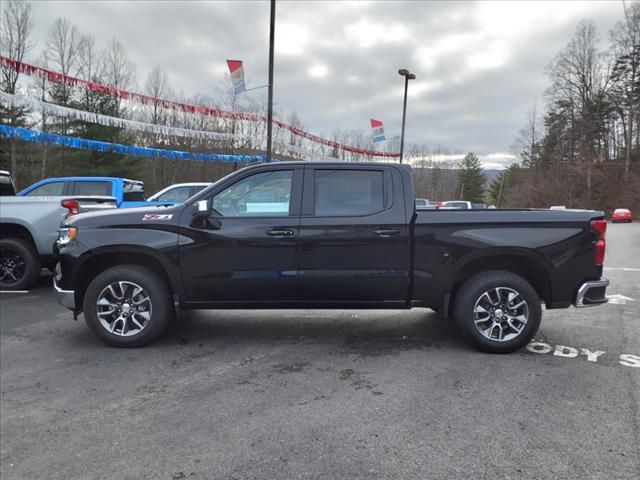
(92, 188)
(47, 190)
(348, 192)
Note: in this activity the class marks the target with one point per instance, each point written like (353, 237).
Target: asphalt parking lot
(324, 394)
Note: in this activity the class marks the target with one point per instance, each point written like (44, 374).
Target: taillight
(599, 227)
(72, 206)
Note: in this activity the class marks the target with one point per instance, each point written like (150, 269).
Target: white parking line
(14, 291)
(623, 269)
(620, 299)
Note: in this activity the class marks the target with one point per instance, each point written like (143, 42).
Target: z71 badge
(157, 216)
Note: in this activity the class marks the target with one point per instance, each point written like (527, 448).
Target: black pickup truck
(327, 235)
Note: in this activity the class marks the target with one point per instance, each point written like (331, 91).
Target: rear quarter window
(133, 192)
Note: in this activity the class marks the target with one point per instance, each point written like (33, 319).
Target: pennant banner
(133, 151)
(378, 130)
(237, 75)
(56, 77)
(8, 99)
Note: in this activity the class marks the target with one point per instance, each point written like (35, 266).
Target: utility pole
(272, 29)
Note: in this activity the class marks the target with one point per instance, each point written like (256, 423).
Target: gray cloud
(479, 66)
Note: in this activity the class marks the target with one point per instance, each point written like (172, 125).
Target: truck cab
(128, 193)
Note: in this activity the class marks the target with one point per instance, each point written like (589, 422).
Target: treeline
(584, 149)
(580, 151)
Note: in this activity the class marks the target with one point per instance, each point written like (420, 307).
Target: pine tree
(471, 179)
(501, 184)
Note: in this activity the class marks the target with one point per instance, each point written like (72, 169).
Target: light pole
(272, 28)
(407, 76)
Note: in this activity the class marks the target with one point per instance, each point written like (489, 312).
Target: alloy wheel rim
(124, 308)
(500, 314)
(12, 266)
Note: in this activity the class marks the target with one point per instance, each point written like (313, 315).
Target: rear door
(354, 236)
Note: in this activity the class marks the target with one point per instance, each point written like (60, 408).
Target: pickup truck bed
(330, 235)
(28, 231)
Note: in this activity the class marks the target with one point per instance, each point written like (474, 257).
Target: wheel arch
(525, 265)
(16, 230)
(100, 260)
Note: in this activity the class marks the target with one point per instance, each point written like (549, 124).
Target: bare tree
(625, 39)
(526, 146)
(157, 86)
(15, 43)
(90, 68)
(577, 82)
(63, 49)
(15, 38)
(119, 70)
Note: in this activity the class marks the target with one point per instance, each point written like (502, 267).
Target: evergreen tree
(471, 179)
(500, 185)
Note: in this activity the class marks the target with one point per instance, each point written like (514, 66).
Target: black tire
(473, 294)
(159, 306)
(19, 264)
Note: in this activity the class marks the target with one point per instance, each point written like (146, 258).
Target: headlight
(65, 235)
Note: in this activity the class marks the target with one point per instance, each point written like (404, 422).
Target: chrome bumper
(592, 293)
(66, 298)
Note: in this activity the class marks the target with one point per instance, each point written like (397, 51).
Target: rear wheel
(19, 264)
(128, 306)
(499, 311)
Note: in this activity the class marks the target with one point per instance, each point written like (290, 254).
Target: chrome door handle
(280, 233)
(386, 233)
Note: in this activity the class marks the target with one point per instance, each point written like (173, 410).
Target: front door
(354, 237)
(246, 252)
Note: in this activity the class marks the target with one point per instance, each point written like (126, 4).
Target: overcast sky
(479, 66)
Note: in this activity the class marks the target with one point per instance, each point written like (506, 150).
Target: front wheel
(128, 306)
(499, 311)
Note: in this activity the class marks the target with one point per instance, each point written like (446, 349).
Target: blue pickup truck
(128, 193)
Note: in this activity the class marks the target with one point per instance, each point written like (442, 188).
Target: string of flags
(59, 111)
(56, 77)
(27, 135)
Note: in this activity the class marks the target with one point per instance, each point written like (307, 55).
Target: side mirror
(202, 217)
(201, 208)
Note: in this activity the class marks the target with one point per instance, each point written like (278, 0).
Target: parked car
(557, 207)
(28, 232)
(7, 187)
(128, 193)
(621, 215)
(178, 192)
(352, 238)
(456, 205)
(421, 202)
